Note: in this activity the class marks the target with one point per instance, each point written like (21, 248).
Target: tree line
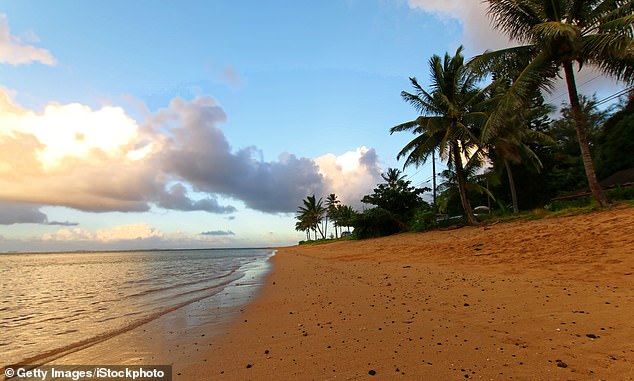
(505, 124)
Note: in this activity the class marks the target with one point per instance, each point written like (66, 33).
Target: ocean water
(56, 303)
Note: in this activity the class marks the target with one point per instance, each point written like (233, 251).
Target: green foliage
(376, 222)
(558, 205)
(397, 195)
(621, 193)
(563, 170)
(616, 138)
(424, 219)
(555, 34)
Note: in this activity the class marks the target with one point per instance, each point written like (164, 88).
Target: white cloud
(350, 175)
(478, 34)
(14, 52)
(103, 160)
(131, 232)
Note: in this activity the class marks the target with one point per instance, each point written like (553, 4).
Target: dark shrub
(376, 222)
(424, 219)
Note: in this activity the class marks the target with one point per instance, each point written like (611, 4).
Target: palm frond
(502, 61)
(620, 25)
(515, 18)
(612, 54)
(412, 124)
(418, 150)
(555, 31)
(537, 75)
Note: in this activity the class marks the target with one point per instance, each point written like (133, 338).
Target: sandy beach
(551, 299)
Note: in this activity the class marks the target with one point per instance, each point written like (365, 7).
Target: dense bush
(376, 222)
(424, 219)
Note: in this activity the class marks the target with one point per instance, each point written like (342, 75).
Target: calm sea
(57, 302)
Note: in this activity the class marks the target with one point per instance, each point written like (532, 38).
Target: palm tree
(449, 187)
(449, 114)
(556, 33)
(346, 215)
(509, 143)
(302, 225)
(331, 210)
(312, 214)
(393, 177)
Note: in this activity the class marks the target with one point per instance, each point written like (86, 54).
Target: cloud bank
(14, 52)
(178, 158)
(26, 214)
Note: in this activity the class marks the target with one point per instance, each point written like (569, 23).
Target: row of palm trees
(462, 122)
(315, 216)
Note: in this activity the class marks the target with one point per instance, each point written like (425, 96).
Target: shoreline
(175, 337)
(545, 299)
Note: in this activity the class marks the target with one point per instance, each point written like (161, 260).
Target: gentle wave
(40, 325)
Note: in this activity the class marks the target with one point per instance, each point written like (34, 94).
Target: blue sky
(204, 123)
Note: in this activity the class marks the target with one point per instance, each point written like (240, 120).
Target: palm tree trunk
(320, 232)
(580, 124)
(462, 185)
(509, 173)
(433, 168)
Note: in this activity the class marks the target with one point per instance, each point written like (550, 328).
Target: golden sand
(551, 299)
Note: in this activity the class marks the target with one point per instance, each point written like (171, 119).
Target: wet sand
(551, 299)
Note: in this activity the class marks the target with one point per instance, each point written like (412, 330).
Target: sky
(190, 124)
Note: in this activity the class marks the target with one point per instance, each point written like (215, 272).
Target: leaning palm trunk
(462, 185)
(558, 33)
(580, 124)
(509, 173)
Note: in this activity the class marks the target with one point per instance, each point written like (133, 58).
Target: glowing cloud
(92, 160)
(103, 160)
(14, 52)
(74, 131)
(350, 175)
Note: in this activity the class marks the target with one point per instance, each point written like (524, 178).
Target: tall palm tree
(331, 211)
(312, 213)
(450, 110)
(509, 144)
(555, 34)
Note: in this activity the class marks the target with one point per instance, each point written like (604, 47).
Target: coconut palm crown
(449, 112)
(556, 34)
